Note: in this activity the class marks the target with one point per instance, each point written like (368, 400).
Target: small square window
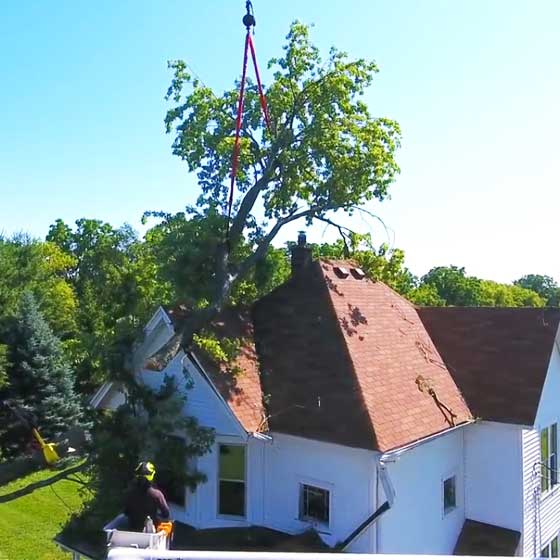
(314, 504)
(449, 494)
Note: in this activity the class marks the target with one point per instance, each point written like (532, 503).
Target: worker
(144, 500)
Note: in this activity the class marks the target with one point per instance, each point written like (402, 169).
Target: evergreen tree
(40, 379)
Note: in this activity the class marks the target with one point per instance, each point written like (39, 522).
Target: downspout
(382, 476)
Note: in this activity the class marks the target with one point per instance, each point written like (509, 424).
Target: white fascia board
(194, 360)
(100, 394)
(159, 315)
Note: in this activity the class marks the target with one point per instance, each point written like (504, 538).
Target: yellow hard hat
(146, 470)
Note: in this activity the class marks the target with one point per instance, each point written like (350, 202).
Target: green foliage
(221, 351)
(139, 430)
(41, 268)
(117, 285)
(384, 264)
(426, 294)
(494, 294)
(454, 287)
(326, 151)
(39, 378)
(4, 365)
(184, 247)
(543, 285)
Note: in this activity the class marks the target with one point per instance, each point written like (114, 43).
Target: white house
(385, 427)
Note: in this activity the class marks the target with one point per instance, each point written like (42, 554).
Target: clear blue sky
(474, 84)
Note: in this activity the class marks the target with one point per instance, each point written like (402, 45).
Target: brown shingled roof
(343, 360)
(482, 539)
(498, 357)
(238, 383)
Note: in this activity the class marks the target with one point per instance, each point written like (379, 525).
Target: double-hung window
(549, 457)
(168, 481)
(231, 491)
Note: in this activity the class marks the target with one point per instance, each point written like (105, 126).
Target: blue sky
(474, 84)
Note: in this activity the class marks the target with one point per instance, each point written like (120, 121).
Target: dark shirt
(142, 500)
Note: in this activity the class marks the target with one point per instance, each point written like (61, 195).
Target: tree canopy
(325, 153)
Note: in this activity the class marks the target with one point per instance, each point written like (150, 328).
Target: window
(549, 461)
(449, 495)
(314, 504)
(169, 482)
(231, 491)
(551, 549)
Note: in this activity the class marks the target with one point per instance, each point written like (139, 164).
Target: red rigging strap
(235, 156)
(264, 106)
(239, 119)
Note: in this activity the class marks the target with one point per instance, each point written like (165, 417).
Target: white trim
(449, 475)
(202, 371)
(319, 526)
(400, 450)
(231, 517)
(158, 316)
(100, 394)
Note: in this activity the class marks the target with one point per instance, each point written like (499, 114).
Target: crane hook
(249, 18)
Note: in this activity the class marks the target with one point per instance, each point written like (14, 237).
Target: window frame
(447, 510)
(316, 522)
(548, 457)
(219, 514)
(164, 488)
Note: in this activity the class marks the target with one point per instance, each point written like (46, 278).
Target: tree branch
(248, 201)
(265, 242)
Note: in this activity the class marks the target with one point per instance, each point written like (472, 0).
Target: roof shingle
(498, 357)
(343, 359)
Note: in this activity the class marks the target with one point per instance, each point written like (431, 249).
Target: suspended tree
(323, 153)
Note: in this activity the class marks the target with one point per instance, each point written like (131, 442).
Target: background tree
(450, 285)
(543, 285)
(39, 378)
(118, 286)
(326, 153)
(27, 264)
(383, 263)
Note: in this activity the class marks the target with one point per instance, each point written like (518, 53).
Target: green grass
(29, 523)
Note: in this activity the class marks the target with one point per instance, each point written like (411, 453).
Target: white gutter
(394, 453)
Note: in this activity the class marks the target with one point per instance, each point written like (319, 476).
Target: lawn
(29, 523)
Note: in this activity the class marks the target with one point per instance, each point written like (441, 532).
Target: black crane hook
(249, 18)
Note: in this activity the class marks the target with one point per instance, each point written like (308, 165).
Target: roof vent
(357, 273)
(341, 272)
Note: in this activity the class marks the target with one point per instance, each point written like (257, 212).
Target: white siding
(416, 523)
(154, 338)
(112, 400)
(203, 402)
(349, 475)
(541, 516)
(493, 485)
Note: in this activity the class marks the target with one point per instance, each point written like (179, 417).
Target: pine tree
(40, 378)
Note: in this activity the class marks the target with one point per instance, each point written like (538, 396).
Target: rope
(249, 22)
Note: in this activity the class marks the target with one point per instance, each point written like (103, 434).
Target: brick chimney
(301, 255)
